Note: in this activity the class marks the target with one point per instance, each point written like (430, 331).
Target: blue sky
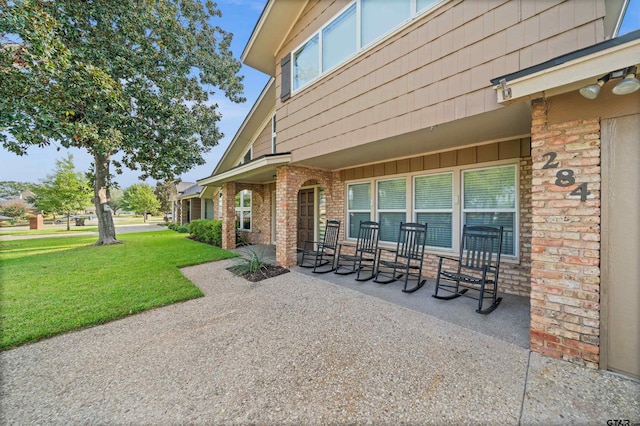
(238, 17)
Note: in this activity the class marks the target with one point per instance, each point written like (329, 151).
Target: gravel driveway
(294, 350)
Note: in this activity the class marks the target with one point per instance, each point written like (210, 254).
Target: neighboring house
(455, 112)
(191, 202)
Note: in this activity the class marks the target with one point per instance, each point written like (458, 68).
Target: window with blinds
(489, 198)
(433, 204)
(392, 207)
(358, 206)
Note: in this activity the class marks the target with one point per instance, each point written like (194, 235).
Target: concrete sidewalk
(297, 350)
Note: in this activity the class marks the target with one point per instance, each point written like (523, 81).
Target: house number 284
(565, 177)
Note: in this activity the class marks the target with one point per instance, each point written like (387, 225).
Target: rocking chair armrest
(454, 259)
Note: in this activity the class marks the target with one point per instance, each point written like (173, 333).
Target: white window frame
(370, 210)
(414, 14)
(416, 210)
(458, 213)
(273, 134)
(407, 203)
(241, 209)
(513, 210)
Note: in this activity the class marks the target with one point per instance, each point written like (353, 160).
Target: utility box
(36, 222)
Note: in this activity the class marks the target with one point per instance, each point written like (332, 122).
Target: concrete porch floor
(509, 322)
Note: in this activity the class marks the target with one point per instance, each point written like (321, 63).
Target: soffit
(277, 19)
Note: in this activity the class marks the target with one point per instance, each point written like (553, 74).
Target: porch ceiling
(505, 123)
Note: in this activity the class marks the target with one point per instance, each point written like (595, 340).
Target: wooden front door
(306, 209)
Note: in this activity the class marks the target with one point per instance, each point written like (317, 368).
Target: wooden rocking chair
(477, 267)
(409, 256)
(318, 254)
(365, 252)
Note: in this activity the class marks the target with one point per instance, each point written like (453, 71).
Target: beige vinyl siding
(262, 144)
(434, 70)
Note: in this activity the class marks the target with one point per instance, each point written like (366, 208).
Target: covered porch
(509, 323)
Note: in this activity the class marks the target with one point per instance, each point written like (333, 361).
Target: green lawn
(48, 230)
(53, 285)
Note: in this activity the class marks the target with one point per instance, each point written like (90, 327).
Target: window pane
(423, 4)
(237, 218)
(354, 222)
(434, 192)
(379, 16)
(359, 196)
(508, 220)
(246, 220)
(490, 188)
(439, 228)
(246, 198)
(305, 63)
(238, 199)
(390, 225)
(247, 157)
(339, 39)
(392, 194)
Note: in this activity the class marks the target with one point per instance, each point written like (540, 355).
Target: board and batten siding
(434, 70)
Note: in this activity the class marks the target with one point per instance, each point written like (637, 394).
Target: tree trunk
(106, 228)
(68, 221)
(144, 217)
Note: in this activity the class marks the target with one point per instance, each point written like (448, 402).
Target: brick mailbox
(36, 222)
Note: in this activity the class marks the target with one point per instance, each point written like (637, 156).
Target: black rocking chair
(409, 256)
(365, 252)
(477, 268)
(318, 254)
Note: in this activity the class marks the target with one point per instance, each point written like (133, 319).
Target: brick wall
(565, 245)
(289, 181)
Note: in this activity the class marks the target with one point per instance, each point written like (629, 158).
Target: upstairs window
(339, 39)
(380, 16)
(356, 27)
(306, 63)
(273, 134)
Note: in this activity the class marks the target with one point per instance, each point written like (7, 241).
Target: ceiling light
(592, 91)
(628, 85)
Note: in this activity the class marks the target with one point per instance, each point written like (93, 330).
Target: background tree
(10, 187)
(64, 191)
(116, 200)
(140, 198)
(14, 209)
(163, 191)
(125, 77)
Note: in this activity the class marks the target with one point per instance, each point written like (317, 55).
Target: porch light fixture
(628, 85)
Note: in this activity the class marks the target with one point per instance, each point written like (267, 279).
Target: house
(190, 201)
(455, 112)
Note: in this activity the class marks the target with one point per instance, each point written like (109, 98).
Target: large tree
(64, 191)
(140, 198)
(163, 191)
(126, 77)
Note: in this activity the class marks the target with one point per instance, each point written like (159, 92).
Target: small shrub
(207, 231)
(250, 262)
(172, 226)
(183, 229)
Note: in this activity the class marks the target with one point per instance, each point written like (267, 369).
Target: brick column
(565, 267)
(286, 216)
(229, 215)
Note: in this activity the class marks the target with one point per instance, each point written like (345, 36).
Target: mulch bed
(269, 271)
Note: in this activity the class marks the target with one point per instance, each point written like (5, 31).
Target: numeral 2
(549, 165)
